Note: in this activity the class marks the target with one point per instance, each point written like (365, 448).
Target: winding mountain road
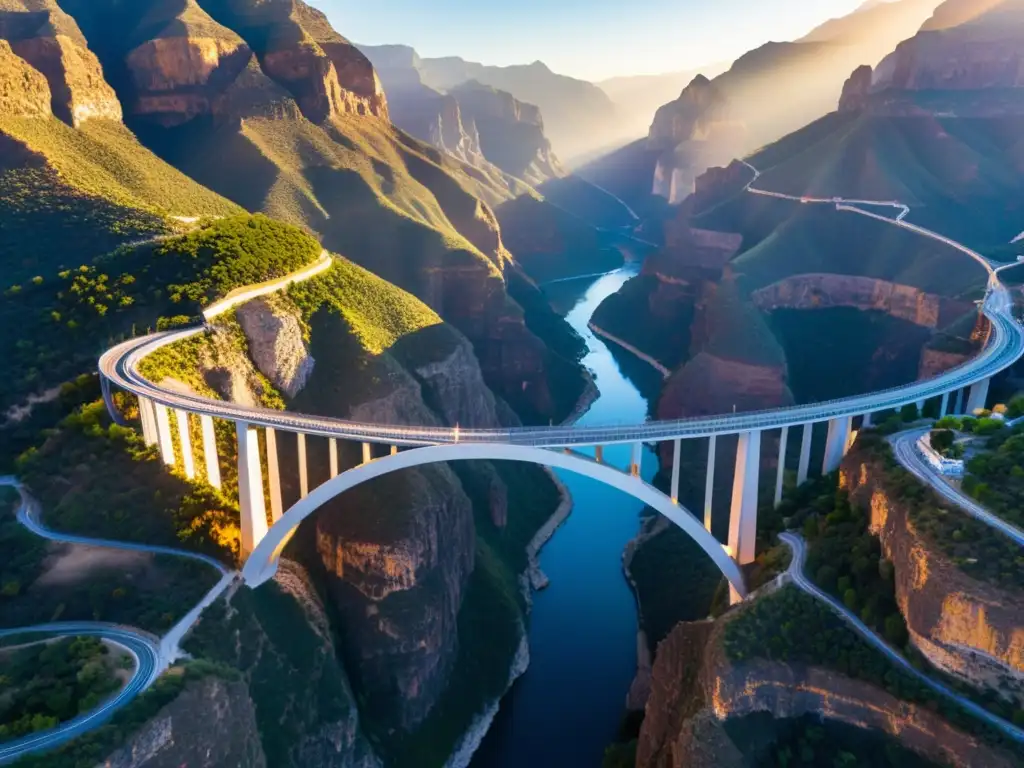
(904, 447)
(796, 572)
(152, 655)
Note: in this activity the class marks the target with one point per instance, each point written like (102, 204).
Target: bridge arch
(261, 565)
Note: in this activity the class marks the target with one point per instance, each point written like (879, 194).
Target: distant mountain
(772, 90)
(483, 126)
(638, 97)
(578, 115)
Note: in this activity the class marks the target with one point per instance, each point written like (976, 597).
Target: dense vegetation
(72, 316)
(24, 552)
(48, 683)
(94, 747)
(996, 476)
(972, 546)
(792, 626)
(97, 479)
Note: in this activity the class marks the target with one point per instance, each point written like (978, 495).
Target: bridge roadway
(119, 366)
(1005, 346)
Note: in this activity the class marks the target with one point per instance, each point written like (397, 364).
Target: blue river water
(569, 704)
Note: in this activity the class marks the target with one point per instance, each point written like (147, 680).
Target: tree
(942, 440)
(850, 599)
(895, 630)
(909, 413)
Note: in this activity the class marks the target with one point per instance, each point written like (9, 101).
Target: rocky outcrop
(23, 91)
(457, 386)
(211, 723)
(186, 67)
(511, 132)
(276, 343)
(43, 35)
(856, 90)
(298, 48)
(695, 688)
(397, 576)
(700, 108)
(971, 629)
(821, 291)
(934, 362)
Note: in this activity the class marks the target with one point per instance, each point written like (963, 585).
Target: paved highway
(144, 650)
(1004, 347)
(152, 655)
(796, 572)
(904, 446)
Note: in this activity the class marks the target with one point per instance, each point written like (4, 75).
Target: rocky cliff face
(708, 385)
(211, 723)
(298, 48)
(819, 291)
(856, 90)
(45, 37)
(695, 688)
(511, 132)
(965, 627)
(24, 91)
(700, 108)
(276, 345)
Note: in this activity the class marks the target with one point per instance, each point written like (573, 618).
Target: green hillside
(67, 195)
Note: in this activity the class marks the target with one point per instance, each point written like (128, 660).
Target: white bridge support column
(300, 438)
(636, 459)
(978, 396)
(677, 446)
(866, 420)
(333, 450)
(920, 406)
(837, 444)
(959, 409)
(944, 406)
(743, 516)
(367, 453)
(250, 488)
(148, 418)
(780, 475)
(163, 433)
(185, 441)
(274, 476)
(210, 452)
(709, 482)
(805, 454)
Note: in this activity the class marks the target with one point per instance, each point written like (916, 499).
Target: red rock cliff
(695, 688)
(971, 629)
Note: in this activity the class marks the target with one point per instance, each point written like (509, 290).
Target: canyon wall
(971, 629)
(695, 688)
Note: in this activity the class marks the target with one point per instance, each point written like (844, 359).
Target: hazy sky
(590, 39)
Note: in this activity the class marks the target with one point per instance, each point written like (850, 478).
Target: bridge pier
(709, 482)
(677, 446)
(743, 516)
(866, 420)
(978, 396)
(148, 418)
(108, 400)
(944, 405)
(163, 433)
(250, 488)
(636, 459)
(367, 453)
(300, 439)
(332, 447)
(780, 475)
(274, 475)
(805, 454)
(599, 454)
(185, 440)
(837, 444)
(210, 451)
(959, 409)
(920, 406)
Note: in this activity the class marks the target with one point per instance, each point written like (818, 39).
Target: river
(569, 704)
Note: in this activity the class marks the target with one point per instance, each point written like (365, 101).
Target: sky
(589, 39)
